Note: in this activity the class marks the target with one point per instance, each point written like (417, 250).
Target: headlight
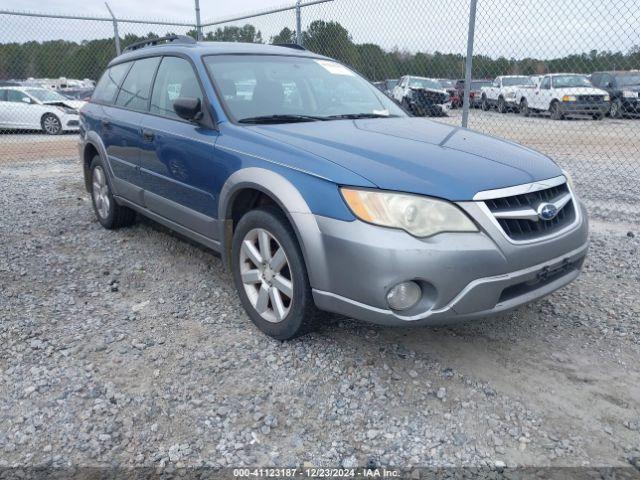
(569, 98)
(628, 94)
(606, 98)
(417, 215)
(569, 179)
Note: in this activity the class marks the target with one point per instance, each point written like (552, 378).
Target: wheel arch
(91, 147)
(267, 186)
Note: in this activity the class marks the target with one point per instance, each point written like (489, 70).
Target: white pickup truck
(563, 95)
(502, 92)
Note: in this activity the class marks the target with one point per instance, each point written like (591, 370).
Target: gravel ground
(131, 348)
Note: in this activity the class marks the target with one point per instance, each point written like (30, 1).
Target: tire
(554, 110)
(615, 110)
(485, 104)
(110, 215)
(277, 298)
(524, 108)
(597, 116)
(502, 107)
(407, 106)
(51, 124)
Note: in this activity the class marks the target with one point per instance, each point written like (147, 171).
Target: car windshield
(479, 85)
(415, 82)
(447, 83)
(279, 89)
(567, 81)
(629, 79)
(44, 95)
(516, 81)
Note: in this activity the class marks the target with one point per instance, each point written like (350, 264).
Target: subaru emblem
(547, 211)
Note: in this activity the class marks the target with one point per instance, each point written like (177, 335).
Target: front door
(176, 163)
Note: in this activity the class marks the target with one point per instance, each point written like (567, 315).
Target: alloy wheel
(266, 275)
(100, 192)
(51, 125)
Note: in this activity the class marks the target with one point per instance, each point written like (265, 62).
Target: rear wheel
(524, 107)
(51, 124)
(554, 110)
(110, 215)
(270, 275)
(597, 116)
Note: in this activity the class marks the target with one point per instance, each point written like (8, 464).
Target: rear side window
(3, 95)
(134, 93)
(175, 78)
(107, 88)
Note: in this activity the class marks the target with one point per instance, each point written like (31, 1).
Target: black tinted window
(134, 93)
(107, 87)
(175, 78)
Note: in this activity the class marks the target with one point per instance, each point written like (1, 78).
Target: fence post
(198, 24)
(298, 23)
(116, 35)
(469, 63)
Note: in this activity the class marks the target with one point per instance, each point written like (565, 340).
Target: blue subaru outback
(319, 192)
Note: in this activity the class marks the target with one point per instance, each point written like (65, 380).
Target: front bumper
(462, 275)
(70, 122)
(584, 108)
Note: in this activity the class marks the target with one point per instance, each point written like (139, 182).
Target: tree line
(87, 59)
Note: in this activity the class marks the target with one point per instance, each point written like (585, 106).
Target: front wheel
(554, 110)
(615, 110)
(502, 107)
(270, 275)
(485, 104)
(524, 107)
(51, 124)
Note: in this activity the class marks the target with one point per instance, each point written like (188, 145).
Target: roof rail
(295, 46)
(185, 39)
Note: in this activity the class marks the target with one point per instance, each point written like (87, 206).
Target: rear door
(178, 170)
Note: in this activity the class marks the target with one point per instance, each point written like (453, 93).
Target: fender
(93, 139)
(292, 203)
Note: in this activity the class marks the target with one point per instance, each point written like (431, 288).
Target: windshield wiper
(285, 118)
(354, 116)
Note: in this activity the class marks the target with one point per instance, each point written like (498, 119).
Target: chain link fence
(516, 46)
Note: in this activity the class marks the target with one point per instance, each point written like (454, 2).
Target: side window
(134, 93)
(608, 81)
(596, 79)
(3, 95)
(496, 83)
(175, 78)
(546, 83)
(107, 88)
(15, 96)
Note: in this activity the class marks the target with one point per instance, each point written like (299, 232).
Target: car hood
(75, 104)
(423, 89)
(417, 155)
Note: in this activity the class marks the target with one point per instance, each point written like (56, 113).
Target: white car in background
(502, 92)
(563, 95)
(26, 108)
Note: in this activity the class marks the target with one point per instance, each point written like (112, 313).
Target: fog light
(404, 295)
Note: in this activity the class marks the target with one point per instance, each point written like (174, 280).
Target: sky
(509, 28)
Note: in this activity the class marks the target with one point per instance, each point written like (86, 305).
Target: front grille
(591, 98)
(524, 229)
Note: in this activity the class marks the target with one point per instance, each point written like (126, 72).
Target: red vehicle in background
(474, 93)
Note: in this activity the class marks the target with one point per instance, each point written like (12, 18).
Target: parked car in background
(450, 86)
(474, 92)
(23, 108)
(386, 86)
(563, 95)
(502, 92)
(623, 89)
(336, 201)
(422, 96)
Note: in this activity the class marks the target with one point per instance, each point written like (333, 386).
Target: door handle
(148, 135)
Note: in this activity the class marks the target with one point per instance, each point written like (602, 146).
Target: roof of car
(213, 48)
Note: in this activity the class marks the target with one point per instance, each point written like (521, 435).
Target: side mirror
(26, 100)
(188, 108)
